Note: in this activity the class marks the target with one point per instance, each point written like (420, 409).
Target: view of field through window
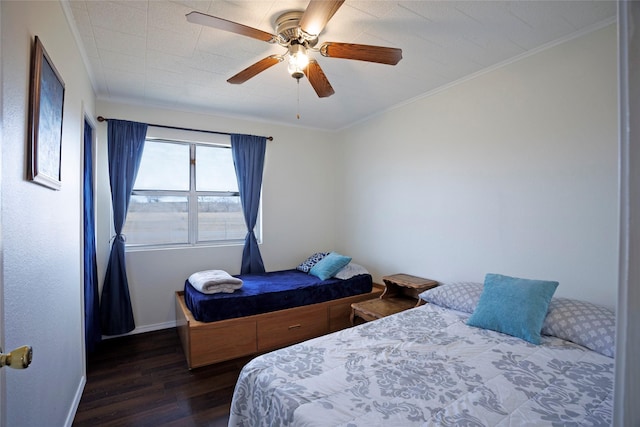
(173, 204)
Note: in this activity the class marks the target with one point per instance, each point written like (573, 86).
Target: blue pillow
(513, 306)
(329, 265)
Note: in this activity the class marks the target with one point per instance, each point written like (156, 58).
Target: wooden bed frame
(205, 343)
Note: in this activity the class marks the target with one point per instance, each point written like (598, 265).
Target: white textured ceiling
(145, 52)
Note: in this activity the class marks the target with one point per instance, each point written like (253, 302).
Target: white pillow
(350, 270)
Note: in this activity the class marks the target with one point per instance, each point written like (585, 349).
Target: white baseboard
(145, 328)
(76, 402)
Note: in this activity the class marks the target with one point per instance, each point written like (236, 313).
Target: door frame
(627, 372)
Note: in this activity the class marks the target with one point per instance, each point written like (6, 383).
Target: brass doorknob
(20, 358)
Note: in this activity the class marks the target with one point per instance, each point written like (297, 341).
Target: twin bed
(423, 366)
(270, 311)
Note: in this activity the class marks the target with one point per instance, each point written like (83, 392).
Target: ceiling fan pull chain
(298, 114)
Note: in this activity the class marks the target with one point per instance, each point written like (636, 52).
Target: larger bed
(426, 366)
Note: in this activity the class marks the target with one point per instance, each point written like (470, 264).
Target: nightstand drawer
(278, 330)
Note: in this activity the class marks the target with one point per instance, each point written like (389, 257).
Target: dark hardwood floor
(143, 380)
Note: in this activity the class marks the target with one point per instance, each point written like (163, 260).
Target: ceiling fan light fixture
(298, 60)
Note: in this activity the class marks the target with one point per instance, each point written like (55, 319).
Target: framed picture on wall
(46, 102)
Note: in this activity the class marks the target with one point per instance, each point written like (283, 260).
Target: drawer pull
(295, 326)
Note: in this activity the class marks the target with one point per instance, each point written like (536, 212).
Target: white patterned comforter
(425, 367)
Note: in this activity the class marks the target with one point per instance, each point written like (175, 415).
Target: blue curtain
(92, 332)
(125, 143)
(248, 158)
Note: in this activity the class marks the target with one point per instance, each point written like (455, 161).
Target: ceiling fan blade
(318, 80)
(255, 69)
(234, 27)
(362, 52)
(317, 14)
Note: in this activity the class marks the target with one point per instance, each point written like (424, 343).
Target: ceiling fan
(298, 32)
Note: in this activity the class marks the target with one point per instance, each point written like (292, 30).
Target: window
(185, 193)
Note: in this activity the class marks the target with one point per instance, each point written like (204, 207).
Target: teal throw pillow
(329, 265)
(513, 306)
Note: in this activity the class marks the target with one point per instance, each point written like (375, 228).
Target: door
(91, 305)
(3, 400)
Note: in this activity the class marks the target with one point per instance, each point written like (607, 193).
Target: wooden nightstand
(401, 293)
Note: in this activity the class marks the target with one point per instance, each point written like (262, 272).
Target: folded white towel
(214, 281)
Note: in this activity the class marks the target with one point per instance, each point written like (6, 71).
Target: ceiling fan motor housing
(288, 29)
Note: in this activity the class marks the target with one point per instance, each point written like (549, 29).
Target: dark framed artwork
(46, 102)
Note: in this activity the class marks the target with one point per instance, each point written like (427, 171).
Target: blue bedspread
(277, 290)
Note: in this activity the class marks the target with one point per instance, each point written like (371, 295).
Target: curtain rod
(102, 119)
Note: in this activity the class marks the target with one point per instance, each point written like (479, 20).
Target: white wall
(512, 172)
(298, 201)
(41, 228)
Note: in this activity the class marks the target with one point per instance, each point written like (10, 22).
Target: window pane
(214, 169)
(155, 220)
(220, 218)
(164, 166)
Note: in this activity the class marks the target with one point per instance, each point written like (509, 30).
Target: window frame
(192, 200)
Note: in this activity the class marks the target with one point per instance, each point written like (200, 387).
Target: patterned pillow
(583, 323)
(461, 296)
(308, 263)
